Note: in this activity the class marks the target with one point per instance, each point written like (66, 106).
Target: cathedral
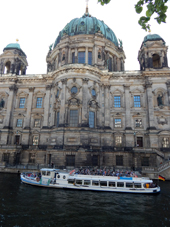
(87, 110)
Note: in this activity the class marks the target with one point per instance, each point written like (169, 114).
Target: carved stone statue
(120, 43)
(159, 100)
(2, 103)
(50, 47)
(97, 28)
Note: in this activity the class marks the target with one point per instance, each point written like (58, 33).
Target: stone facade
(91, 114)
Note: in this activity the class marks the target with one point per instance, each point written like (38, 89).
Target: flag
(161, 178)
(72, 171)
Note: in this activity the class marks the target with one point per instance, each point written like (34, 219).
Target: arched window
(7, 67)
(90, 58)
(156, 61)
(93, 92)
(91, 119)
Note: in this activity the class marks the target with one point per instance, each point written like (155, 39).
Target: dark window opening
(90, 58)
(17, 139)
(95, 160)
(119, 160)
(81, 57)
(156, 61)
(145, 161)
(70, 160)
(6, 157)
(73, 57)
(139, 141)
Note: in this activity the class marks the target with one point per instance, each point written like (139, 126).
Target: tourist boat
(54, 178)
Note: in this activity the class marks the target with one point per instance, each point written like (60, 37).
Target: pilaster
(46, 106)
(127, 108)
(84, 102)
(29, 106)
(62, 107)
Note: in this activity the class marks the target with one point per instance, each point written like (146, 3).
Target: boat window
(86, 182)
(120, 184)
(137, 185)
(48, 173)
(129, 185)
(78, 181)
(111, 184)
(64, 177)
(103, 183)
(95, 183)
(58, 176)
(70, 181)
(43, 173)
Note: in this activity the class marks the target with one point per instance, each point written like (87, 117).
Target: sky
(37, 23)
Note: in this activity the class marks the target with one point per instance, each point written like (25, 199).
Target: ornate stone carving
(48, 87)
(85, 80)
(162, 120)
(64, 81)
(31, 89)
(13, 88)
(74, 102)
(148, 84)
(74, 79)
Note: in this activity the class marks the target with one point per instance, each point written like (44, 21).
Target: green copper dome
(152, 37)
(87, 25)
(14, 46)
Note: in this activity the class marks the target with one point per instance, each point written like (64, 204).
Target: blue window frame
(137, 101)
(57, 95)
(39, 103)
(73, 57)
(118, 123)
(19, 122)
(73, 118)
(117, 102)
(81, 57)
(74, 90)
(93, 92)
(90, 58)
(58, 118)
(22, 103)
(91, 119)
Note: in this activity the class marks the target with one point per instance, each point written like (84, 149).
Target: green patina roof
(14, 46)
(152, 37)
(87, 25)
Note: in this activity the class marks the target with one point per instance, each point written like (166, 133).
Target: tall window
(22, 103)
(137, 101)
(81, 57)
(118, 123)
(73, 57)
(165, 142)
(138, 123)
(19, 122)
(31, 158)
(90, 58)
(118, 141)
(57, 95)
(93, 92)
(58, 119)
(91, 119)
(139, 141)
(110, 65)
(37, 123)
(73, 118)
(39, 103)
(35, 140)
(119, 160)
(117, 102)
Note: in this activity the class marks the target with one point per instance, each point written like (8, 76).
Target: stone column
(148, 87)
(62, 107)
(168, 88)
(76, 55)
(115, 63)
(69, 56)
(107, 106)
(84, 102)
(127, 108)
(86, 55)
(98, 109)
(29, 106)
(46, 106)
(118, 64)
(13, 90)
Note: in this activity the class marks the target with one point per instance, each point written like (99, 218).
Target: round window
(58, 176)
(93, 92)
(64, 177)
(74, 90)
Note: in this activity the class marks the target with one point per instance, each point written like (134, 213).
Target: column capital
(31, 89)
(64, 81)
(13, 88)
(85, 80)
(148, 84)
(48, 87)
(107, 86)
(168, 83)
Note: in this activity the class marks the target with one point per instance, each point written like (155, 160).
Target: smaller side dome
(14, 46)
(152, 37)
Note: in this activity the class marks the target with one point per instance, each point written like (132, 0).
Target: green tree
(153, 6)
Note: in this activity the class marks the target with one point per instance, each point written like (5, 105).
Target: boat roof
(50, 170)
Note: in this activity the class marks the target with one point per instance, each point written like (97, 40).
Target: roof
(14, 46)
(86, 25)
(152, 37)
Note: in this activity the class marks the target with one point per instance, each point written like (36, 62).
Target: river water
(22, 205)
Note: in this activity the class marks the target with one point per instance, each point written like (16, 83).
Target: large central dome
(87, 25)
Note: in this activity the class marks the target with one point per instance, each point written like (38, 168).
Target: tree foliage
(153, 6)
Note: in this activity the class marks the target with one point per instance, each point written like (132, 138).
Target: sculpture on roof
(50, 47)
(2, 103)
(120, 43)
